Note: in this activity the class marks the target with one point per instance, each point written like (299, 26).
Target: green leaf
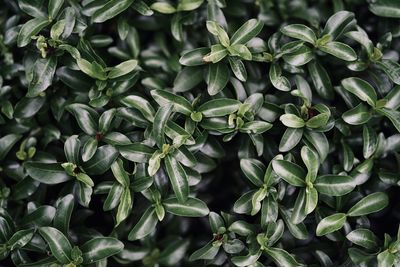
(54, 7)
(254, 171)
(47, 173)
(321, 80)
(141, 104)
(137, 152)
(160, 120)
(246, 260)
(163, 7)
(125, 206)
(194, 57)
(85, 116)
(178, 178)
(319, 142)
(219, 107)
(290, 139)
(278, 81)
(145, 225)
(89, 148)
(20, 238)
(111, 9)
(187, 79)
(218, 52)
(208, 252)
(31, 28)
(292, 121)
(282, 258)
(311, 160)
(386, 259)
(392, 115)
(372, 203)
(218, 77)
(42, 75)
(300, 57)
(33, 8)
(63, 213)
(331, 224)
(193, 207)
(188, 5)
(357, 115)
(391, 68)
(385, 8)
(247, 31)
(299, 31)
(94, 69)
(339, 50)
(100, 248)
(361, 89)
(101, 160)
(218, 31)
(6, 143)
(122, 68)
(338, 24)
(240, 50)
(120, 174)
(290, 172)
(334, 185)
(180, 104)
(364, 238)
(238, 68)
(58, 243)
(369, 141)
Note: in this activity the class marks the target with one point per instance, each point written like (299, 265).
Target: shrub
(193, 133)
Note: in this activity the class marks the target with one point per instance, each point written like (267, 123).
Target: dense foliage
(199, 132)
